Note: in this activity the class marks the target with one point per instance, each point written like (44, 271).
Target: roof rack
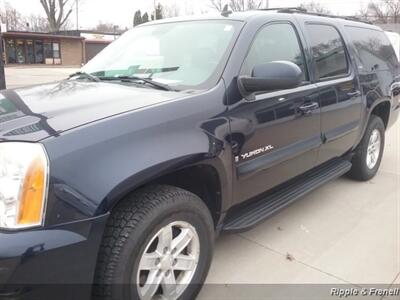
(301, 10)
(284, 9)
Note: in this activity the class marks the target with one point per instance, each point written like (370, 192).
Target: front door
(276, 136)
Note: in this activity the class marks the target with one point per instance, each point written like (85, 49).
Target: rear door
(340, 96)
(277, 135)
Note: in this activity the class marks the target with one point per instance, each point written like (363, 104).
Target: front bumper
(50, 263)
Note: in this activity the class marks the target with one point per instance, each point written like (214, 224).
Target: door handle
(308, 108)
(354, 94)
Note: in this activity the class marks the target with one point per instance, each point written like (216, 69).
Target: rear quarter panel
(379, 85)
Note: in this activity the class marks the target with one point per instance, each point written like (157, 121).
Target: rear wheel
(368, 155)
(157, 245)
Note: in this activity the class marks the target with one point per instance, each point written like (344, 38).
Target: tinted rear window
(328, 51)
(374, 50)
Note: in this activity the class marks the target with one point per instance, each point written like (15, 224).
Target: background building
(94, 41)
(68, 48)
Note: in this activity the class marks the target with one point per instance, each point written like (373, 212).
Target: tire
(361, 169)
(131, 232)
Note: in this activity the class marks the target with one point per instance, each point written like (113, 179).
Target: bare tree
(382, 11)
(242, 5)
(374, 12)
(37, 23)
(217, 4)
(254, 4)
(57, 12)
(315, 7)
(236, 5)
(12, 18)
(107, 27)
(171, 10)
(393, 9)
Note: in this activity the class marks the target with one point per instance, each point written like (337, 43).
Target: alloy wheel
(374, 149)
(169, 262)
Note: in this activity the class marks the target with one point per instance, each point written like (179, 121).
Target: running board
(257, 212)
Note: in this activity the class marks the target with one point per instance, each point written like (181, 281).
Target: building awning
(97, 42)
(37, 35)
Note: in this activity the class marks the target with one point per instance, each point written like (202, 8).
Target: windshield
(181, 55)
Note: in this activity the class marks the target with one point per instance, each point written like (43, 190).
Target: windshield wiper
(156, 84)
(85, 75)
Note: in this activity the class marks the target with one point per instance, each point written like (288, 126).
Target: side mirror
(277, 75)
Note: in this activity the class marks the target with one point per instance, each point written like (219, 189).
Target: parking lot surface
(22, 76)
(345, 232)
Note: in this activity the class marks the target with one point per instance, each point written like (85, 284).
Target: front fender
(93, 167)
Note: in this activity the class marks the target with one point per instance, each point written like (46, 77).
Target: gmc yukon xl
(115, 182)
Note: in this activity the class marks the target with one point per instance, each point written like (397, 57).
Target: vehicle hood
(37, 112)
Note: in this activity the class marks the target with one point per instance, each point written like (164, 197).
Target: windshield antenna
(226, 12)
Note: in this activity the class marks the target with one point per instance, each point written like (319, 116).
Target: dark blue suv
(115, 182)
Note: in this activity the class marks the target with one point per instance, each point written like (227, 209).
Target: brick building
(94, 42)
(69, 48)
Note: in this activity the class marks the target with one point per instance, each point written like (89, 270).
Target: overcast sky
(121, 12)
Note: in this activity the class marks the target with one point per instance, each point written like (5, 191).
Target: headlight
(23, 184)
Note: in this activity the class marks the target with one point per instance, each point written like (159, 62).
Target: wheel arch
(202, 180)
(382, 110)
(206, 179)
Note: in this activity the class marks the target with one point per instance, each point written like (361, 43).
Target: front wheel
(368, 155)
(158, 244)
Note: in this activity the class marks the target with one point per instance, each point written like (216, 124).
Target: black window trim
(347, 53)
(296, 31)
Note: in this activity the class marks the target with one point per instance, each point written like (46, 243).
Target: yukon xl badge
(248, 155)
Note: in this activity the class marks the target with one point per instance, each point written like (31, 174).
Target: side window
(328, 51)
(56, 50)
(374, 50)
(275, 42)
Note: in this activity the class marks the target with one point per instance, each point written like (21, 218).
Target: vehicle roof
(257, 15)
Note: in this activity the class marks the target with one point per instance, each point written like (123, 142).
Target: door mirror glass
(277, 75)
